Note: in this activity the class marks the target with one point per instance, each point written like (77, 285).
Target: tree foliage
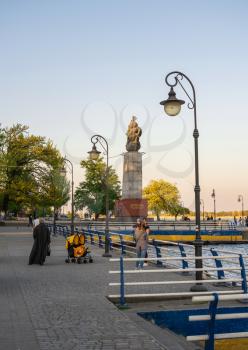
(162, 196)
(177, 209)
(91, 193)
(25, 162)
(55, 189)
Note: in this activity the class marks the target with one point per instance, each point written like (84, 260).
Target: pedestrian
(41, 245)
(246, 221)
(235, 220)
(30, 220)
(147, 229)
(141, 239)
(240, 222)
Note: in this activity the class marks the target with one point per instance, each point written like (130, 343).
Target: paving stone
(60, 306)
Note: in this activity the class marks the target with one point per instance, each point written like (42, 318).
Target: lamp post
(93, 155)
(241, 199)
(63, 172)
(213, 196)
(172, 107)
(203, 212)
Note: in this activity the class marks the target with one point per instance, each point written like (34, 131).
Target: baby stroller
(77, 251)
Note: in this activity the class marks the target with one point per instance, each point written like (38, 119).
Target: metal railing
(165, 225)
(122, 284)
(227, 269)
(213, 316)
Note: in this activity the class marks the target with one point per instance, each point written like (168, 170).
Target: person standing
(41, 243)
(30, 220)
(235, 220)
(141, 240)
(147, 229)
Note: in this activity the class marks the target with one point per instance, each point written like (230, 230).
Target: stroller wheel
(79, 261)
(91, 260)
(67, 260)
(73, 260)
(85, 261)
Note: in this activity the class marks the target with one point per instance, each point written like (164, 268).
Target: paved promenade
(63, 306)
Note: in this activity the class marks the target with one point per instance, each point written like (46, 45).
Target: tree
(161, 196)
(55, 189)
(24, 160)
(177, 209)
(91, 193)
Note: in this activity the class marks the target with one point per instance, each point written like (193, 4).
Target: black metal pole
(198, 287)
(98, 138)
(203, 211)
(107, 238)
(54, 221)
(72, 196)
(214, 210)
(72, 200)
(242, 208)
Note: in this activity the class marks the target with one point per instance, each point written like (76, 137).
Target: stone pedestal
(131, 206)
(130, 209)
(132, 175)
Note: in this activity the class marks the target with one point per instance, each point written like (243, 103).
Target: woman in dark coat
(39, 250)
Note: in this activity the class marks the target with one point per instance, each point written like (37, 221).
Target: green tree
(91, 192)
(54, 190)
(161, 196)
(24, 159)
(177, 209)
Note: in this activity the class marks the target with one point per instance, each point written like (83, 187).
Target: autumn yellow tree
(161, 196)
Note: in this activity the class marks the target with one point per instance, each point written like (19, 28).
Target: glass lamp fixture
(63, 171)
(172, 106)
(94, 153)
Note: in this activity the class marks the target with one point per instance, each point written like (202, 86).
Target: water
(230, 250)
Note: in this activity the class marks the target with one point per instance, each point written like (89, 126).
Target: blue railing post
(122, 283)
(100, 242)
(110, 242)
(158, 253)
(123, 251)
(92, 238)
(243, 274)
(185, 264)
(67, 230)
(218, 264)
(209, 344)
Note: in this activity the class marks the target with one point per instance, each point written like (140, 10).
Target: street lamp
(213, 196)
(241, 199)
(63, 172)
(203, 212)
(172, 107)
(93, 155)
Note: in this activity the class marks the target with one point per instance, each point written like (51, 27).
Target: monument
(131, 206)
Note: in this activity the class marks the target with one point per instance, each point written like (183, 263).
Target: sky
(73, 68)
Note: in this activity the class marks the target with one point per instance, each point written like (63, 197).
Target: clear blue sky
(65, 63)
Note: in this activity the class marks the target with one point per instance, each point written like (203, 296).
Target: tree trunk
(54, 220)
(5, 204)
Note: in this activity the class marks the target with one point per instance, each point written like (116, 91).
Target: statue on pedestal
(131, 206)
(133, 134)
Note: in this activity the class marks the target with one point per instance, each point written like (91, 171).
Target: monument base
(130, 209)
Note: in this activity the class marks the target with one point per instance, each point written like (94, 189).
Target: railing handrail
(214, 316)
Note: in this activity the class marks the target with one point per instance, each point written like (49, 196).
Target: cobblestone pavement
(60, 306)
